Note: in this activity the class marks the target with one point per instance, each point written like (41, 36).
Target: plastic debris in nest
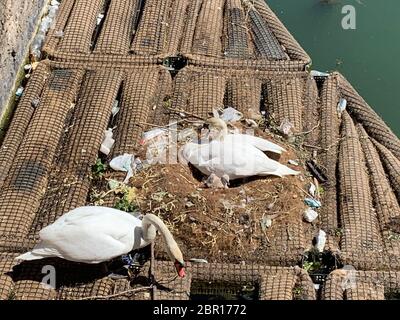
(312, 189)
(266, 222)
(286, 128)
(108, 142)
(44, 27)
(127, 163)
(320, 241)
(100, 18)
(115, 109)
(124, 164)
(187, 135)
(315, 73)
(195, 260)
(312, 203)
(342, 105)
(19, 92)
(231, 115)
(157, 141)
(310, 215)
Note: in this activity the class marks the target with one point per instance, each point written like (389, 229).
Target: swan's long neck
(223, 129)
(150, 223)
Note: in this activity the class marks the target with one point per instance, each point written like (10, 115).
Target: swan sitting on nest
(234, 156)
(98, 234)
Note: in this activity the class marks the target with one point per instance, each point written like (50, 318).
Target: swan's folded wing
(259, 143)
(91, 238)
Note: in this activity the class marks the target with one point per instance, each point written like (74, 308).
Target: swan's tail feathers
(282, 171)
(39, 252)
(265, 145)
(29, 256)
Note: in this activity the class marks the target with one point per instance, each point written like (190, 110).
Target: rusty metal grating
(362, 285)
(223, 32)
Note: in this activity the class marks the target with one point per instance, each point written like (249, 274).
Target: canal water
(369, 56)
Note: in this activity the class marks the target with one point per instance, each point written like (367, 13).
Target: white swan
(97, 234)
(234, 156)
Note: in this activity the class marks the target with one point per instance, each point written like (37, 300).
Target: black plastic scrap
(316, 171)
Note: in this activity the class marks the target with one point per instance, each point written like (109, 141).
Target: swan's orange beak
(180, 269)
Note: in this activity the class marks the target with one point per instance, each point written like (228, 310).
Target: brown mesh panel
(236, 40)
(284, 101)
(364, 114)
(151, 38)
(361, 242)
(311, 113)
(117, 30)
(386, 205)
(367, 286)
(22, 117)
(392, 166)
(99, 288)
(271, 283)
(328, 156)
(292, 47)
(244, 94)
(28, 176)
(6, 283)
(81, 24)
(70, 178)
(63, 15)
(223, 33)
(138, 98)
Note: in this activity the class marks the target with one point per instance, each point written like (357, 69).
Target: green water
(368, 56)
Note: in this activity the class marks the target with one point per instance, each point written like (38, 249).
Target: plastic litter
(100, 18)
(59, 34)
(320, 241)
(149, 135)
(294, 162)
(44, 27)
(108, 142)
(194, 260)
(316, 171)
(312, 189)
(231, 115)
(35, 103)
(342, 105)
(315, 73)
(187, 135)
(113, 184)
(19, 92)
(286, 127)
(312, 203)
(115, 109)
(266, 222)
(310, 215)
(124, 163)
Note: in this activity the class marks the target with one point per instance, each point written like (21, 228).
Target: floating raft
(231, 53)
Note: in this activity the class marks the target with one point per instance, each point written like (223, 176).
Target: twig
(305, 192)
(118, 294)
(186, 112)
(309, 131)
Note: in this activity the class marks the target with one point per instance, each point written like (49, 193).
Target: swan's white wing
(239, 160)
(92, 234)
(259, 143)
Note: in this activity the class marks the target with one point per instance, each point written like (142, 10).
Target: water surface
(368, 56)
